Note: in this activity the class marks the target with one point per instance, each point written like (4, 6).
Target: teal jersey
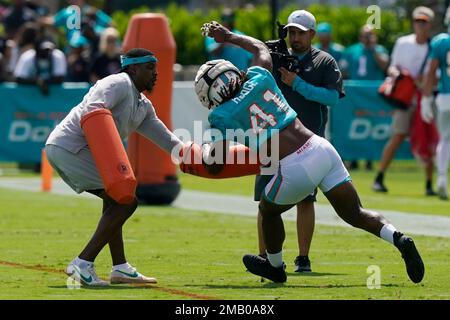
(68, 16)
(255, 113)
(361, 64)
(440, 50)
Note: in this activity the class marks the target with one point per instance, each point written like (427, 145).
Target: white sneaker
(442, 193)
(128, 274)
(85, 274)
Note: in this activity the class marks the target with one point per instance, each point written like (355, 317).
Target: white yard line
(412, 223)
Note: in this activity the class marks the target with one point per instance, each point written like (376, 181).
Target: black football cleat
(302, 264)
(262, 267)
(414, 264)
(378, 186)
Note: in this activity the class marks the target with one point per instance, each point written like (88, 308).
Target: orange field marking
(42, 268)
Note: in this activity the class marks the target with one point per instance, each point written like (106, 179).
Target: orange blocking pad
(192, 163)
(109, 155)
(155, 172)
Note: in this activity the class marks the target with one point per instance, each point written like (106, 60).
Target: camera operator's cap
(324, 28)
(423, 13)
(301, 19)
(47, 45)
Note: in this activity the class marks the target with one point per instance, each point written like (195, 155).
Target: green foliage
(256, 22)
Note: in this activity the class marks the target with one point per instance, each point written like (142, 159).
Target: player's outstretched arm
(261, 54)
(218, 161)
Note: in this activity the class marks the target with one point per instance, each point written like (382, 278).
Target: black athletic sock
(429, 185)
(397, 236)
(380, 177)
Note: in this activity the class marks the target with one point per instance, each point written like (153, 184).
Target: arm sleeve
(328, 97)
(155, 130)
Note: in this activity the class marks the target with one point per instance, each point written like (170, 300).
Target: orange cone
(46, 173)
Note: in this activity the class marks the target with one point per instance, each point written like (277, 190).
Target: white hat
(301, 19)
(423, 13)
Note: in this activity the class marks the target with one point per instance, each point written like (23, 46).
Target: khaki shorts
(77, 170)
(401, 120)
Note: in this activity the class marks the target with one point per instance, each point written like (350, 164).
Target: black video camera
(279, 51)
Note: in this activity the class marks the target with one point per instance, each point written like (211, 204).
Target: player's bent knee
(126, 209)
(266, 210)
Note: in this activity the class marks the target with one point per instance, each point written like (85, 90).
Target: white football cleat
(128, 274)
(85, 274)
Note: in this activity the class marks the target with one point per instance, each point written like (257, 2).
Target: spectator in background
(409, 53)
(16, 16)
(2, 59)
(42, 65)
(324, 34)
(78, 60)
(91, 20)
(239, 57)
(25, 40)
(439, 54)
(107, 62)
(37, 6)
(366, 60)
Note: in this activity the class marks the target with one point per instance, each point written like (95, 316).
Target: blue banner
(27, 117)
(360, 123)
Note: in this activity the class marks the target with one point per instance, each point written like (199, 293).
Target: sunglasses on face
(421, 21)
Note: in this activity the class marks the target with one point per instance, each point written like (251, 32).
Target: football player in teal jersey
(440, 59)
(251, 102)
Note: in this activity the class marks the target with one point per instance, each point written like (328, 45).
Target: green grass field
(197, 255)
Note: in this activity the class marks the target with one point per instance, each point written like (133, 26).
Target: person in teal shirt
(440, 60)
(366, 60)
(74, 17)
(324, 34)
(236, 55)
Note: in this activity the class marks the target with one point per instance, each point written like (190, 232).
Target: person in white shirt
(43, 65)
(410, 53)
(68, 152)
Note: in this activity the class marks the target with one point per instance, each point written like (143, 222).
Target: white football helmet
(212, 79)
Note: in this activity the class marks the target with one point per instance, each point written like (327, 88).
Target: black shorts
(262, 181)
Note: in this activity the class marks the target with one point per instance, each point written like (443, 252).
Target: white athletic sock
(275, 259)
(125, 265)
(81, 263)
(387, 233)
(442, 159)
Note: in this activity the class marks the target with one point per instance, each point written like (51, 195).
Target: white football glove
(426, 110)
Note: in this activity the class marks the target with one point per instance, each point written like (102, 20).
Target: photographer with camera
(43, 65)
(310, 80)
